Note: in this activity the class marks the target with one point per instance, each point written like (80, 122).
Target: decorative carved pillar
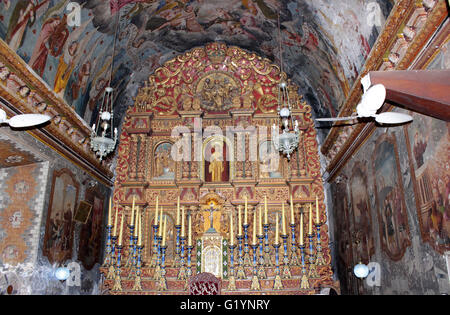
(132, 157)
(141, 157)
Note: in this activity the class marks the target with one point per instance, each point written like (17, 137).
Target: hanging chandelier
(288, 140)
(103, 139)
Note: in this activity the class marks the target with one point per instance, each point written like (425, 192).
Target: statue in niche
(270, 160)
(164, 164)
(216, 165)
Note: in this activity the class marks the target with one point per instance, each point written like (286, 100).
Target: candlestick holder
(177, 259)
(294, 256)
(162, 280)
(320, 261)
(111, 270)
(286, 272)
(312, 272)
(231, 279)
(267, 258)
(108, 258)
(240, 270)
(247, 260)
(131, 248)
(132, 265)
(261, 270)
(255, 281)
(277, 285)
(137, 278)
(157, 273)
(117, 278)
(155, 251)
(182, 272)
(304, 283)
(189, 266)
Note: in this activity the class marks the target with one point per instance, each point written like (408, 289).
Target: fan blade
(28, 120)
(337, 118)
(392, 118)
(372, 100)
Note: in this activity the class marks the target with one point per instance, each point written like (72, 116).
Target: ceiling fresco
(324, 43)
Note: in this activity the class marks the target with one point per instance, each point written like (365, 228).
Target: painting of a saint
(51, 41)
(428, 146)
(58, 237)
(393, 222)
(269, 160)
(361, 214)
(24, 14)
(164, 165)
(91, 232)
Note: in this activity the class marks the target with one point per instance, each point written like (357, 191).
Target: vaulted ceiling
(324, 43)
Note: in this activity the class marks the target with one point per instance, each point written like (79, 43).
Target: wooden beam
(423, 91)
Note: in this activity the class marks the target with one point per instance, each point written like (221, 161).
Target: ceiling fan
(23, 120)
(371, 101)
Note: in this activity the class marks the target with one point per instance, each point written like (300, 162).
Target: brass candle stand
(247, 260)
(137, 277)
(304, 283)
(182, 272)
(312, 272)
(231, 279)
(157, 273)
(267, 258)
(261, 269)
(286, 272)
(155, 251)
(162, 279)
(117, 278)
(277, 285)
(111, 271)
(294, 256)
(177, 259)
(320, 261)
(255, 281)
(240, 270)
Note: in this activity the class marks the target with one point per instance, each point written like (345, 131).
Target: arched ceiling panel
(324, 43)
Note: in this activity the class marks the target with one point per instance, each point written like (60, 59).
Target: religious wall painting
(91, 232)
(428, 146)
(217, 155)
(58, 237)
(269, 160)
(362, 220)
(389, 195)
(164, 166)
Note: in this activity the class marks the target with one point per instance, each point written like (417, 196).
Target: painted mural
(393, 222)
(362, 221)
(428, 146)
(68, 43)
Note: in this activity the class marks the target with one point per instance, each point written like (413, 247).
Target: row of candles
(283, 221)
(159, 243)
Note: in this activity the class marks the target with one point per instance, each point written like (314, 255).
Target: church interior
(192, 147)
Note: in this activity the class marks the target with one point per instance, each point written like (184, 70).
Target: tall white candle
(292, 212)
(276, 230)
(245, 211)
(161, 222)
(231, 229)
(239, 220)
(260, 220)
(283, 220)
(254, 227)
(121, 230)
(190, 232)
(178, 211)
(132, 211)
(317, 210)
(109, 213)
(301, 228)
(115, 223)
(182, 221)
(310, 219)
(265, 209)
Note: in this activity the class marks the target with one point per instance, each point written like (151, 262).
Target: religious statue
(216, 166)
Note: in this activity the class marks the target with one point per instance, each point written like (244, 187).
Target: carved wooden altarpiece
(180, 113)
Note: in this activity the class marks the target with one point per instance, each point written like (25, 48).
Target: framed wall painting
(428, 143)
(58, 238)
(389, 196)
(89, 250)
(362, 235)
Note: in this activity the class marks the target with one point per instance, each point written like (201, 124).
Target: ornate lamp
(103, 139)
(288, 140)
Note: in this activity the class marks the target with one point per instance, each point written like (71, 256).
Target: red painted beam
(423, 91)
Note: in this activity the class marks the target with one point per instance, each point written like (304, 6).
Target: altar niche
(217, 154)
